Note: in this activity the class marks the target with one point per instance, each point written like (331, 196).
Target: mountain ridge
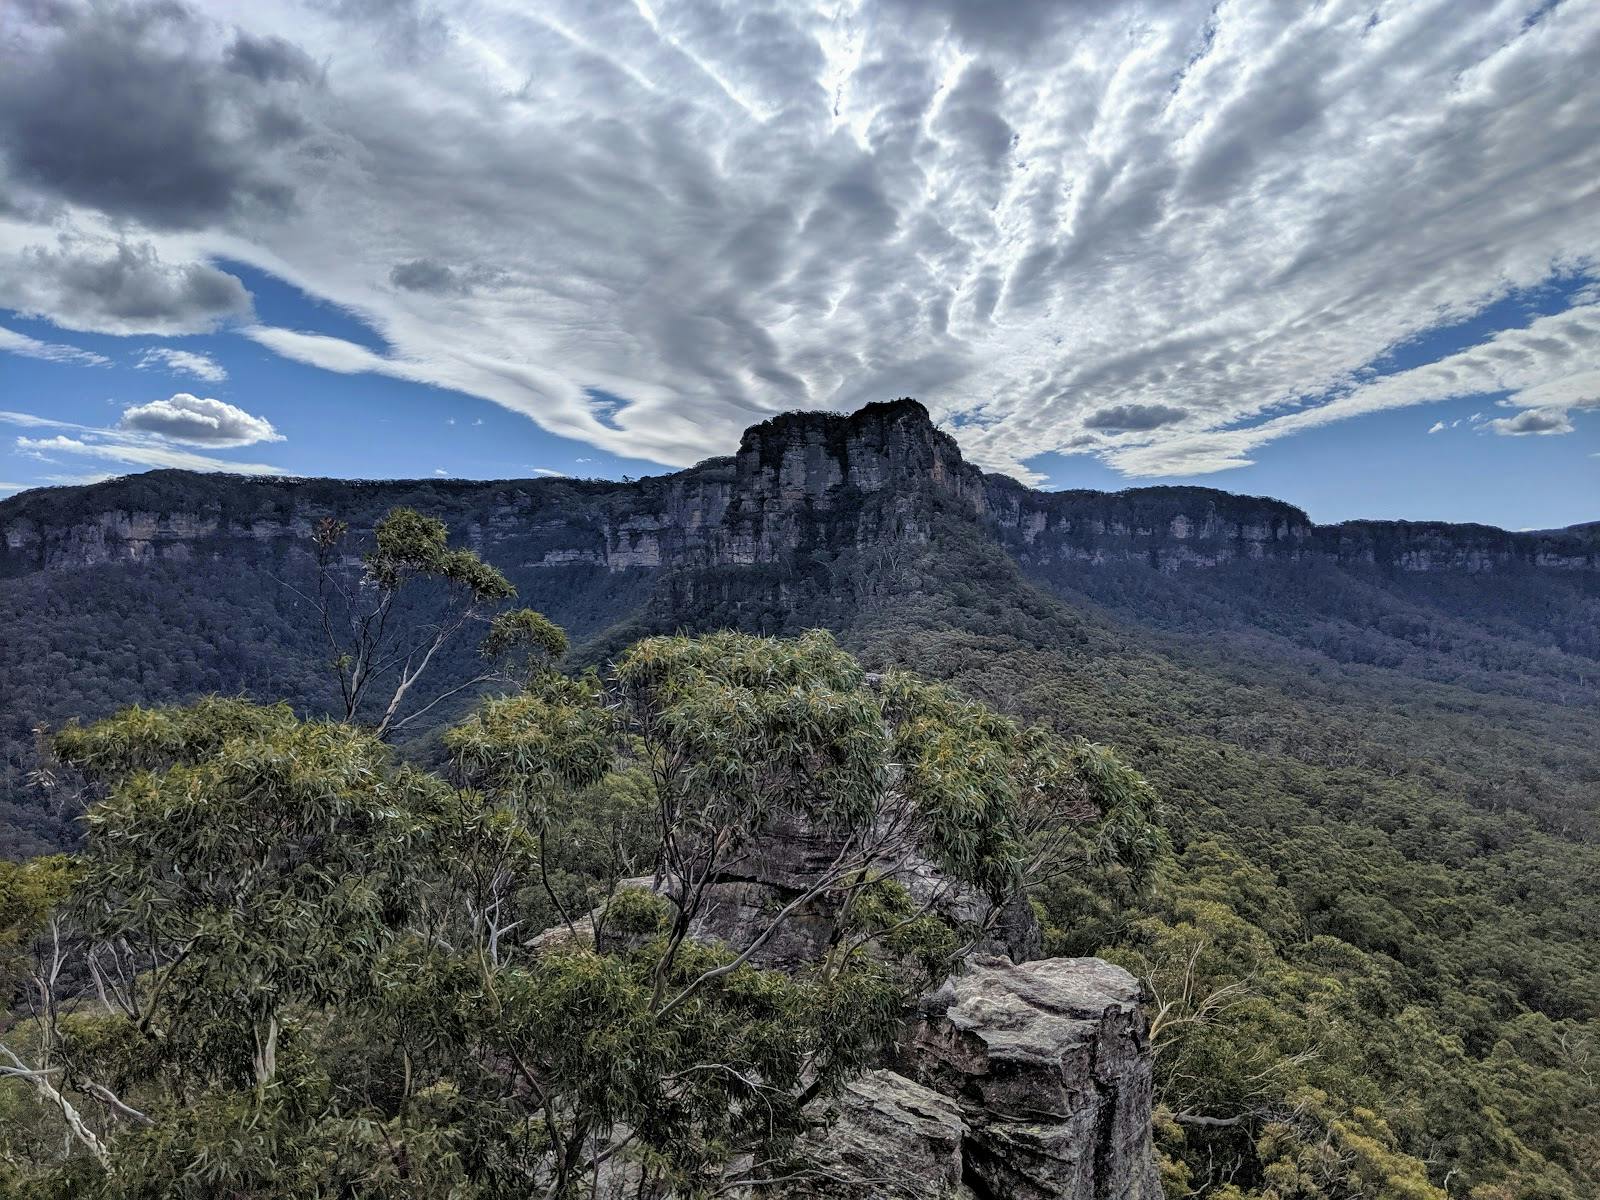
(744, 509)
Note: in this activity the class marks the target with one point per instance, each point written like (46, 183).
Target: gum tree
(297, 966)
(386, 625)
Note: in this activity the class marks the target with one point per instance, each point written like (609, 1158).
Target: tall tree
(386, 624)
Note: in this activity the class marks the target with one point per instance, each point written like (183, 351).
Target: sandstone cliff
(798, 480)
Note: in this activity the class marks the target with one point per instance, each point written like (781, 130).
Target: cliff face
(798, 481)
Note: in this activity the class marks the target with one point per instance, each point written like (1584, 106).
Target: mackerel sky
(1343, 253)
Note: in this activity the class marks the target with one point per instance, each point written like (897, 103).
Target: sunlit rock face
(1050, 1062)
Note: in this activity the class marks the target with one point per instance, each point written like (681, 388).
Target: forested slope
(1373, 956)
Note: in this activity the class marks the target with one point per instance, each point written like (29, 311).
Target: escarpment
(798, 481)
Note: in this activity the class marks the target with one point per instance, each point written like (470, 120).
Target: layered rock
(800, 481)
(1050, 1063)
(782, 863)
(886, 1136)
(1018, 1078)
(1016, 1082)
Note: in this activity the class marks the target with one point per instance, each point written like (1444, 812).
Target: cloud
(137, 454)
(320, 350)
(1137, 418)
(133, 445)
(547, 471)
(119, 288)
(29, 421)
(199, 422)
(1030, 213)
(424, 275)
(269, 60)
(127, 108)
(1011, 25)
(20, 343)
(1552, 365)
(1437, 427)
(1533, 420)
(14, 487)
(183, 362)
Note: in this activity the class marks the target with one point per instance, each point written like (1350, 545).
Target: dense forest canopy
(1369, 948)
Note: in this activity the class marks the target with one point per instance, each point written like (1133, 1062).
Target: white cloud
(548, 471)
(1538, 421)
(14, 487)
(130, 446)
(1195, 220)
(1437, 427)
(319, 350)
(29, 421)
(137, 454)
(20, 343)
(1547, 366)
(198, 421)
(183, 362)
(82, 478)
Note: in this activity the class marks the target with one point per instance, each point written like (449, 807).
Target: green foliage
(1386, 779)
(526, 747)
(1354, 888)
(238, 857)
(29, 892)
(288, 963)
(529, 637)
(1379, 785)
(410, 545)
(746, 725)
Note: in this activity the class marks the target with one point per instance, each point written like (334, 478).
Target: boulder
(1050, 1063)
(887, 1136)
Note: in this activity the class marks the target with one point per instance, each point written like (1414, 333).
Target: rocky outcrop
(799, 482)
(1017, 1082)
(1051, 1067)
(1019, 1078)
(886, 1135)
(783, 862)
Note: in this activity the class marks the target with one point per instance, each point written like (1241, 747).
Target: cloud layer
(149, 435)
(183, 362)
(1162, 233)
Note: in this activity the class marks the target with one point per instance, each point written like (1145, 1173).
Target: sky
(1346, 254)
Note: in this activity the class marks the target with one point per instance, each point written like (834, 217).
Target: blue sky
(1345, 256)
(355, 426)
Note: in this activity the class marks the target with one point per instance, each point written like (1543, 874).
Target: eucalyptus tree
(295, 965)
(386, 624)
